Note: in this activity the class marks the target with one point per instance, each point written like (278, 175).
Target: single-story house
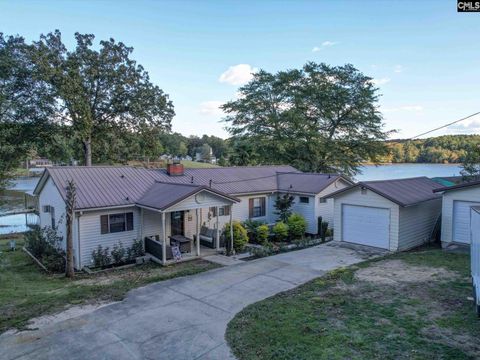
(456, 204)
(125, 203)
(395, 214)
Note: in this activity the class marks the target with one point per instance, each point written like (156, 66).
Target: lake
(397, 171)
(13, 197)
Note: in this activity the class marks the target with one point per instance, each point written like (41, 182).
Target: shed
(396, 215)
(475, 254)
(456, 204)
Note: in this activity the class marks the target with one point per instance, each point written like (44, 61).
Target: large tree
(25, 105)
(98, 88)
(318, 118)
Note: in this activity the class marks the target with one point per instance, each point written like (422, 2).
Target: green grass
(341, 317)
(27, 292)
(197, 165)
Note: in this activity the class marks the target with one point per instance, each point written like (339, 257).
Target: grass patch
(27, 292)
(340, 316)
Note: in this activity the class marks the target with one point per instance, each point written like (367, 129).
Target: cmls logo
(468, 6)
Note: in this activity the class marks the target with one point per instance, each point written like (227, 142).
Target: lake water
(397, 171)
(13, 198)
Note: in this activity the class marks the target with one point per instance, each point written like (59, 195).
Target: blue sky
(424, 55)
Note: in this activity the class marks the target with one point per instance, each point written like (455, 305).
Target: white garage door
(366, 225)
(461, 221)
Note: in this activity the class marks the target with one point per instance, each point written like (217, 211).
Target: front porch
(186, 229)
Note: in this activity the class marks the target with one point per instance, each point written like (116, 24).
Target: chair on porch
(208, 237)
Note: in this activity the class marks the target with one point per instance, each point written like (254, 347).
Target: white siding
(91, 236)
(417, 223)
(51, 196)
(241, 210)
(355, 197)
(467, 194)
(307, 211)
(208, 200)
(326, 209)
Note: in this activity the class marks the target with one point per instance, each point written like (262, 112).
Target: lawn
(27, 292)
(408, 306)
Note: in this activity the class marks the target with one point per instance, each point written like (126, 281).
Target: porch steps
(222, 260)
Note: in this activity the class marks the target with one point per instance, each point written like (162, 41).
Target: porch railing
(153, 247)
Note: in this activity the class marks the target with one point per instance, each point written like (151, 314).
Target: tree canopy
(98, 90)
(319, 118)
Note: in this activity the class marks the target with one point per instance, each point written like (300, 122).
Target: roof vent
(175, 169)
(210, 183)
(127, 198)
(191, 180)
(122, 176)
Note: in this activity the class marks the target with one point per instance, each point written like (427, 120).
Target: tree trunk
(87, 151)
(70, 207)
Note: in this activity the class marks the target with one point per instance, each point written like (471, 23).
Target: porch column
(197, 216)
(141, 225)
(231, 230)
(164, 239)
(218, 231)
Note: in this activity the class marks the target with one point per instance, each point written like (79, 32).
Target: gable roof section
(458, 186)
(311, 183)
(403, 192)
(162, 195)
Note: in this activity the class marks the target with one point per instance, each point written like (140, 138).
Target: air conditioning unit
(46, 208)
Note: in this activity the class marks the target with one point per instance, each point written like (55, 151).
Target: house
(125, 203)
(456, 204)
(391, 214)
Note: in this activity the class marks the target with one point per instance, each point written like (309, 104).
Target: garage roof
(404, 192)
(459, 186)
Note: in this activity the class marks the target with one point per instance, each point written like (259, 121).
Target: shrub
(262, 234)
(101, 257)
(240, 237)
(118, 253)
(297, 226)
(280, 230)
(252, 226)
(136, 250)
(45, 245)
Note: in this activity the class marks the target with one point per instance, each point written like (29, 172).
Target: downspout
(78, 239)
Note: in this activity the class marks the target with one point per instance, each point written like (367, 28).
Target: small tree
(471, 164)
(240, 237)
(284, 204)
(70, 207)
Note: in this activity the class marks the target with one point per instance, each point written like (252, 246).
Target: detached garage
(456, 206)
(395, 214)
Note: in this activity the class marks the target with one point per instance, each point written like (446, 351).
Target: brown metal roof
(311, 183)
(404, 192)
(164, 195)
(458, 186)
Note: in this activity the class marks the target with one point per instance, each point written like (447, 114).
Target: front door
(177, 223)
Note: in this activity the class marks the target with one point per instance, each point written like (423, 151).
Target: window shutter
(250, 208)
(104, 224)
(227, 210)
(262, 202)
(213, 210)
(129, 221)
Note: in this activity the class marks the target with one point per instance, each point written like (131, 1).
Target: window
(323, 200)
(222, 210)
(116, 223)
(52, 215)
(257, 207)
(304, 199)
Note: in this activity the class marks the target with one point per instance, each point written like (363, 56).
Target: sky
(423, 55)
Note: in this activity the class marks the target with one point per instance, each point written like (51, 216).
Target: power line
(444, 126)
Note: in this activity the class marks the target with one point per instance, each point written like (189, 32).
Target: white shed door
(461, 221)
(366, 225)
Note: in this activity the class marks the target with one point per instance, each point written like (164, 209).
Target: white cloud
(398, 68)
(470, 126)
(211, 108)
(323, 45)
(328, 43)
(380, 81)
(415, 108)
(238, 74)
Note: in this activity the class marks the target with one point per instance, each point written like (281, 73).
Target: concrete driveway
(183, 318)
